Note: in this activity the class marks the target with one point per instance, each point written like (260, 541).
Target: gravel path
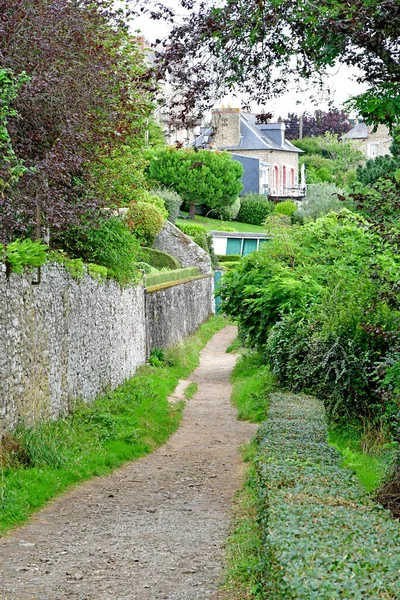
(153, 529)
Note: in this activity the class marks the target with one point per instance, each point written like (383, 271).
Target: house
(225, 242)
(371, 143)
(270, 162)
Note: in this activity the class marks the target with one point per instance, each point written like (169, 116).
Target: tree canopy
(77, 87)
(265, 46)
(202, 177)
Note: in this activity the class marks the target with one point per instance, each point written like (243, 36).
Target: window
(373, 150)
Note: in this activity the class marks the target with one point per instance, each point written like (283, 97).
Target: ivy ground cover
(322, 536)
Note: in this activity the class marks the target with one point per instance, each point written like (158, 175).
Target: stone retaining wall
(66, 339)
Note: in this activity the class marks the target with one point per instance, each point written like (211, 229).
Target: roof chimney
(226, 127)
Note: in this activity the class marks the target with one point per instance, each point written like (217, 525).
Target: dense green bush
(322, 198)
(287, 207)
(226, 213)
(158, 259)
(381, 166)
(110, 245)
(254, 208)
(145, 220)
(317, 302)
(172, 201)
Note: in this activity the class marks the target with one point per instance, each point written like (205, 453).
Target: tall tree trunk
(191, 210)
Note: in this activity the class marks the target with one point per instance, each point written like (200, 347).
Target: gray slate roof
(239, 234)
(359, 132)
(251, 138)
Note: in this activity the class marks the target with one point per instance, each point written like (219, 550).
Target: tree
(263, 46)
(202, 177)
(334, 121)
(86, 92)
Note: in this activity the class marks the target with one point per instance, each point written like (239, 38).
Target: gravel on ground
(154, 529)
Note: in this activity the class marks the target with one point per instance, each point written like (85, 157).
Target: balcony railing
(293, 191)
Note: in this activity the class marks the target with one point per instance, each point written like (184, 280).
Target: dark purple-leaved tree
(263, 47)
(87, 89)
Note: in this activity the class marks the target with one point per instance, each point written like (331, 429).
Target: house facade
(270, 162)
(371, 143)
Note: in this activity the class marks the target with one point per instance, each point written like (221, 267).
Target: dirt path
(153, 529)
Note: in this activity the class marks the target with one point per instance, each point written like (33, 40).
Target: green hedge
(323, 537)
(228, 257)
(158, 259)
(254, 209)
(179, 274)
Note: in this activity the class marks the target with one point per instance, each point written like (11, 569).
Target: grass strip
(215, 224)
(323, 537)
(125, 424)
(367, 452)
(252, 381)
(191, 390)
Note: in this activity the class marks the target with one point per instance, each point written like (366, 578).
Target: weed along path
(153, 529)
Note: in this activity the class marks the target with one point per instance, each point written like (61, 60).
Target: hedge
(158, 259)
(323, 538)
(228, 257)
(178, 275)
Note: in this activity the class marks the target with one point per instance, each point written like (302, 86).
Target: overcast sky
(340, 81)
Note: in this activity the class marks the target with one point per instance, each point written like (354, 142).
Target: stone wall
(176, 311)
(172, 241)
(66, 339)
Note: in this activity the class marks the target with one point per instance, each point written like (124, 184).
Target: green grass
(125, 424)
(369, 461)
(252, 382)
(191, 390)
(211, 224)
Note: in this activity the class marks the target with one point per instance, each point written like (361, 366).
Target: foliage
(214, 224)
(263, 48)
(228, 257)
(110, 244)
(86, 92)
(95, 439)
(145, 220)
(172, 202)
(318, 301)
(158, 259)
(379, 167)
(329, 159)
(22, 253)
(159, 279)
(287, 207)
(202, 177)
(254, 208)
(310, 508)
(227, 213)
(322, 198)
(334, 121)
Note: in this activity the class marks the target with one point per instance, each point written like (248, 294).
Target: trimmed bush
(145, 220)
(227, 213)
(157, 259)
(228, 257)
(172, 201)
(287, 207)
(322, 536)
(254, 209)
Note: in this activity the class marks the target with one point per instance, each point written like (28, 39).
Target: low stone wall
(66, 339)
(176, 311)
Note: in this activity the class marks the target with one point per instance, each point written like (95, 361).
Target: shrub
(287, 207)
(223, 228)
(110, 245)
(172, 202)
(158, 259)
(322, 198)
(254, 208)
(227, 213)
(228, 257)
(22, 253)
(145, 220)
